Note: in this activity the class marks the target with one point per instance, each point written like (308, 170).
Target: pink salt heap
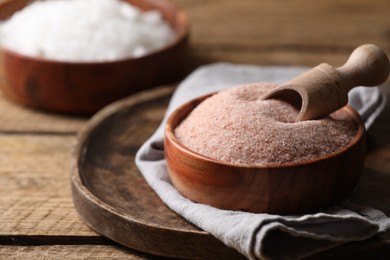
(236, 126)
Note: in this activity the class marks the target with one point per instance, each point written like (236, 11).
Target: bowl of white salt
(76, 56)
(232, 150)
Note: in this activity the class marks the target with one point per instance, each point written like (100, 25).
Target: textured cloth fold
(262, 236)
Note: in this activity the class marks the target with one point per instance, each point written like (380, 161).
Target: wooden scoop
(324, 89)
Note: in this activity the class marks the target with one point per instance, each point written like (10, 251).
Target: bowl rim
(169, 134)
(180, 37)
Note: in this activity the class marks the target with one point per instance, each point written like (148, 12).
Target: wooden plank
(119, 252)
(32, 166)
(71, 252)
(300, 32)
(41, 216)
(275, 56)
(35, 197)
(318, 24)
(16, 118)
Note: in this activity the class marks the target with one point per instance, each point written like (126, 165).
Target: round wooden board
(113, 198)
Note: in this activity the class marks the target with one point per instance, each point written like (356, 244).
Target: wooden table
(37, 218)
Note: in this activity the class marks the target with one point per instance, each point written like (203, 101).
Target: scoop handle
(367, 66)
(324, 89)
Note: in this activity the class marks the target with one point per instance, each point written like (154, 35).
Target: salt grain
(237, 127)
(84, 30)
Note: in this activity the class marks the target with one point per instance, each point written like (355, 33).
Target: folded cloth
(261, 236)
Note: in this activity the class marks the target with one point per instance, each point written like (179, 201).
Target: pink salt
(237, 127)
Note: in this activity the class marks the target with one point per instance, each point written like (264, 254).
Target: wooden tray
(113, 198)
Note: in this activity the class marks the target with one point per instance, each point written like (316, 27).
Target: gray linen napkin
(261, 236)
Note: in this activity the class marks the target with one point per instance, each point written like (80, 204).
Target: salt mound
(236, 126)
(84, 30)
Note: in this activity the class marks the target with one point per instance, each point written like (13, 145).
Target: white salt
(84, 30)
(236, 126)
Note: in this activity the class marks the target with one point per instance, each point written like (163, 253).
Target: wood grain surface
(84, 251)
(18, 119)
(35, 197)
(37, 218)
(299, 32)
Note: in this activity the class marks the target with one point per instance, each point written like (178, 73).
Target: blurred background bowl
(86, 87)
(291, 188)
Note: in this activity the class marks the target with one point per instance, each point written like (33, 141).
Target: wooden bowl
(291, 188)
(85, 87)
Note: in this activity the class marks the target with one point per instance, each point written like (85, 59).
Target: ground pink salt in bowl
(236, 126)
(232, 151)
